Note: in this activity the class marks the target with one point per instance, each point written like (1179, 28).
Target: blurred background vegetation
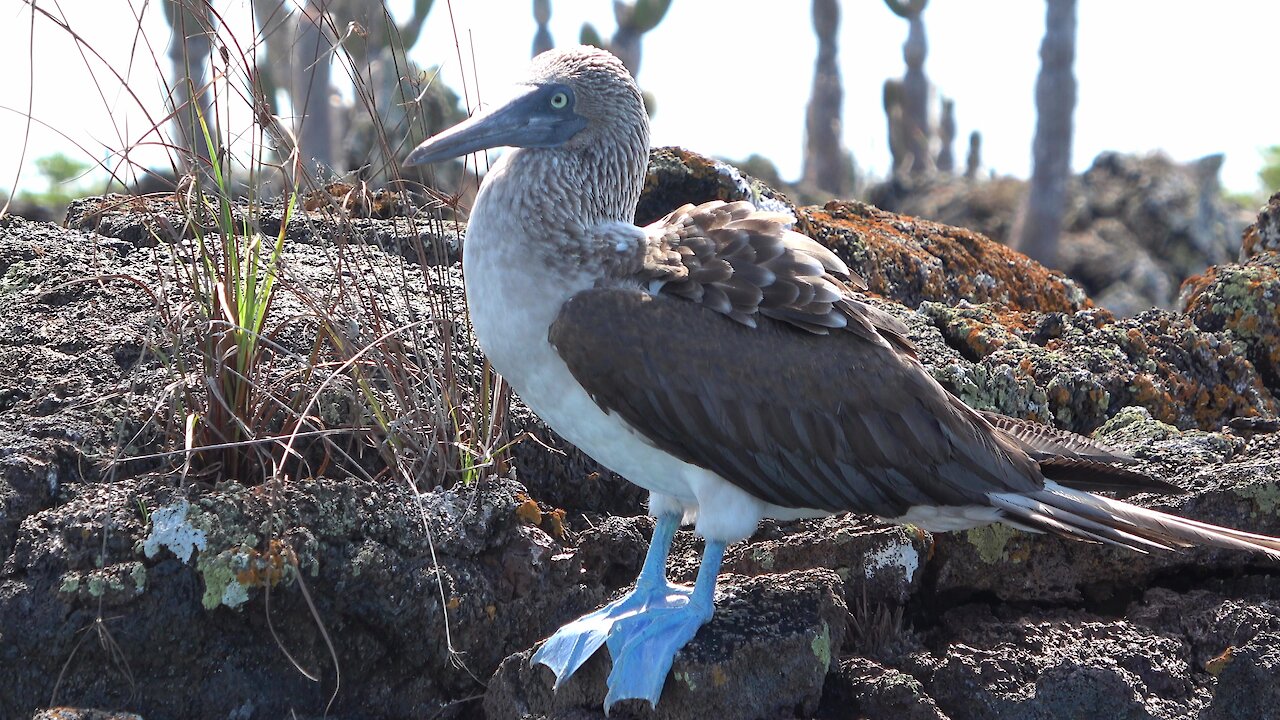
(295, 68)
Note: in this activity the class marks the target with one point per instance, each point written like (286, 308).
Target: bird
(732, 367)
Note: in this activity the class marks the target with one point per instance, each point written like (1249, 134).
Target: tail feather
(1090, 517)
(1045, 441)
(1073, 525)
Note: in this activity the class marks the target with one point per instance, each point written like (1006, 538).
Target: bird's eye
(559, 100)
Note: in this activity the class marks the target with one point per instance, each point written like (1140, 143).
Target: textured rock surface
(1244, 299)
(67, 713)
(677, 176)
(1264, 234)
(1135, 227)
(1071, 665)
(119, 584)
(1231, 484)
(913, 260)
(1077, 369)
(359, 548)
(864, 688)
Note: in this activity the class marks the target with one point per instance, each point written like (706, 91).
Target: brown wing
(1044, 442)
(832, 421)
(745, 264)
(1077, 461)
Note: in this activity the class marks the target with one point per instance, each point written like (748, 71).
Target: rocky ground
(128, 586)
(1136, 226)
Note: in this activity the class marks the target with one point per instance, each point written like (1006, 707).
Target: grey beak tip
(419, 157)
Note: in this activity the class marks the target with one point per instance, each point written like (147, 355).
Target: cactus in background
(381, 32)
(590, 36)
(192, 23)
(339, 137)
(947, 136)
(1039, 222)
(378, 54)
(828, 166)
(973, 161)
(273, 27)
(309, 86)
(897, 125)
(542, 41)
(914, 100)
(634, 20)
(293, 62)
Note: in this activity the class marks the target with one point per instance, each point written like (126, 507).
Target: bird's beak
(528, 120)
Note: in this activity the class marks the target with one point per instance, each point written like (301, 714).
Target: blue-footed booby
(731, 367)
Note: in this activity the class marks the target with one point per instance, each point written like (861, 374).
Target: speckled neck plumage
(569, 192)
(569, 195)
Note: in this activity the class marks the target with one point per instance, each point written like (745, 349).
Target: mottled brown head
(580, 123)
(603, 93)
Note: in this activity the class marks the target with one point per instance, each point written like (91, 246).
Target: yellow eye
(559, 100)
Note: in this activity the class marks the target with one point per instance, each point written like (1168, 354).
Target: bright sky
(731, 79)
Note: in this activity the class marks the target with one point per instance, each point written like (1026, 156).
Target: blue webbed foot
(644, 647)
(644, 629)
(572, 645)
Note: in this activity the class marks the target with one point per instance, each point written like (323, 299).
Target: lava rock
(1135, 226)
(68, 713)
(1248, 681)
(864, 688)
(1240, 301)
(1264, 234)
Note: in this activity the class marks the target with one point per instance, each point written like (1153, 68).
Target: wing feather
(1077, 461)
(799, 420)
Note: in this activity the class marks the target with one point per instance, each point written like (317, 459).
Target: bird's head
(574, 98)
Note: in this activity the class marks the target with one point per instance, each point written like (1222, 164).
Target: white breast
(512, 304)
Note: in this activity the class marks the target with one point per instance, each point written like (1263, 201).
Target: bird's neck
(555, 208)
(566, 191)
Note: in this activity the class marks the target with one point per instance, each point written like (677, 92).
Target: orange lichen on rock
(1155, 399)
(355, 200)
(266, 567)
(1264, 234)
(1243, 300)
(530, 511)
(1137, 343)
(1087, 365)
(912, 260)
(554, 523)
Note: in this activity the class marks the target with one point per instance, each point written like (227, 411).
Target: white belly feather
(512, 306)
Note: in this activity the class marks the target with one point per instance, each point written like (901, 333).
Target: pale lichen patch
(171, 529)
(821, 646)
(901, 556)
(991, 541)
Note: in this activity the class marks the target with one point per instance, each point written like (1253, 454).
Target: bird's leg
(654, 571)
(566, 650)
(644, 646)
